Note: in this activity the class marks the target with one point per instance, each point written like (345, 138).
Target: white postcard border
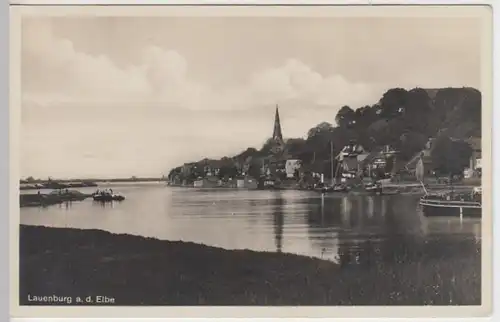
(177, 312)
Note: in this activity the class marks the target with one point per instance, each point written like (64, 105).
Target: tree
(410, 144)
(450, 157)
(321, 129)
(296, 174)
(345, 116)
(393, 102)
(248, 153)
(295, 147)
(365, 116)
(228, 168)
(318, 142)
(268, 146)
(197, 171)
(254, 170)
(417, 109)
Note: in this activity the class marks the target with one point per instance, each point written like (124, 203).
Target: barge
(453, 205)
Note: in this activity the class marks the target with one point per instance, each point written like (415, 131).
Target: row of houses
(473, 170)
(352, 161)
(356, 162)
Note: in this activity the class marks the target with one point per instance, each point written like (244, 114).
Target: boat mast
(331, 161)
(419, 173)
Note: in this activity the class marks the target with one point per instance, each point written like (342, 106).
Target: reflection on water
(278, 222)
(353, 230)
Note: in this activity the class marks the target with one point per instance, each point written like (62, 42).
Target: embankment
(143, 271)
(43, 200)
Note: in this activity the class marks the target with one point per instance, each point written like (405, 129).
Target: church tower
(277, 134)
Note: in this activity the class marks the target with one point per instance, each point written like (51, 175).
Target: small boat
(374, 188)
(108, 197)
(340, 188)
(334, 188)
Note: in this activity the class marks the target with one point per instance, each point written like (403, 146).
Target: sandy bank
(141, 271)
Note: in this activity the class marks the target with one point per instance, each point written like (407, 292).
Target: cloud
(55, 72)
(296, 80)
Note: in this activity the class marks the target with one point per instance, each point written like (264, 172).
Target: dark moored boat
(449, 204)
(453, 205)
(374, 188)
(334, 188)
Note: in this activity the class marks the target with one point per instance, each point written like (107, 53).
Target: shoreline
(48, 199)
(135, 270)
(391, 189)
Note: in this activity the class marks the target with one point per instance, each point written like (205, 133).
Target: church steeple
(277, 134)
(277, 139)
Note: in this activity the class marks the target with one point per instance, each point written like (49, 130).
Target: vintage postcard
(251, 161)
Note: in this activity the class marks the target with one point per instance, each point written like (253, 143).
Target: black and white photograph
(253, 157)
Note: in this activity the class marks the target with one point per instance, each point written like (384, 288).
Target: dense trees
(254, 169)
(346, 116)
(227, 168)
(450, 157)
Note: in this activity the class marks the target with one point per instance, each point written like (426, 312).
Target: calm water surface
(297, 222)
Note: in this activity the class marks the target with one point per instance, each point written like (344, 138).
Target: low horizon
(148, 101)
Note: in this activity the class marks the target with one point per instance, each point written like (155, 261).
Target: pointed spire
(277, 134)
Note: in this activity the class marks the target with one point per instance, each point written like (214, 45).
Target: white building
(291, 166)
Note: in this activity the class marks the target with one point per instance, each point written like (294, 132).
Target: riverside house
(207, 182)
(475, 165)
(350, 160)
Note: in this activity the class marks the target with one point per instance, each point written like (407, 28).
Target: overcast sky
(127, 96)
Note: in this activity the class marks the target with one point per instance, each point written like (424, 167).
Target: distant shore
(134, 270)
(74, 183)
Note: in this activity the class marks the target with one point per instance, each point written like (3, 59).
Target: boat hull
(467, 210)
(108, 198)
(331, 190)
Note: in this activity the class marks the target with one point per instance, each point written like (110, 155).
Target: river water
(298, 222)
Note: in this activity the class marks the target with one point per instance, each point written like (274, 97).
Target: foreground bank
(141, 271)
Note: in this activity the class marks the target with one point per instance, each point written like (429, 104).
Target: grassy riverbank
(143, 271)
